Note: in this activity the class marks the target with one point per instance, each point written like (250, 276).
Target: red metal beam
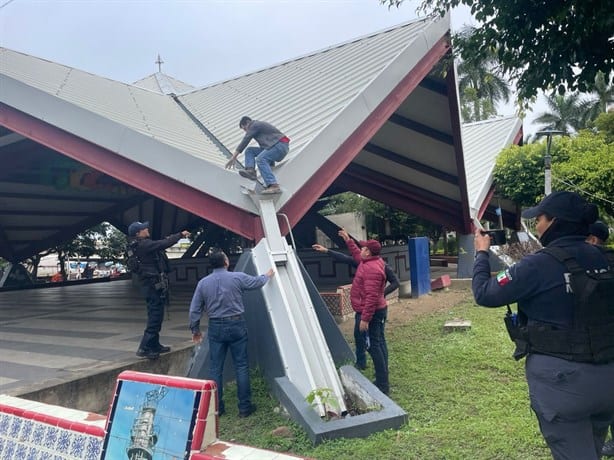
(400, 200)
(458, 149)
(486, 201)
(519, 135)
(129, 172)
(304, 198)
(418, 194)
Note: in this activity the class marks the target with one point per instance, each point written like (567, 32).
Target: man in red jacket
(369, 303)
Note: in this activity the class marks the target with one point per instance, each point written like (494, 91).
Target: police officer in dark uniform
(598, 233)
(153, 267)
(568, 342)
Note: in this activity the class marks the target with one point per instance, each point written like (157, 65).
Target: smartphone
(497, 237)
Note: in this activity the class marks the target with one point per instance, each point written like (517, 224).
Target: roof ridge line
(313, 53)
(490, 120)
(201, 126)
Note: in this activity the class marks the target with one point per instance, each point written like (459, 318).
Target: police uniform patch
(504, 277)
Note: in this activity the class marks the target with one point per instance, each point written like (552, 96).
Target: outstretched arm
(354, 250)
(337, 256)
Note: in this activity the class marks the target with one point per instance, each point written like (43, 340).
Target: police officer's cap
(136, 227)
(600, 230)
(568, 206)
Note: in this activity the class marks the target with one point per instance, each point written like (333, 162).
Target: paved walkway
(54, 335)
(58, 334)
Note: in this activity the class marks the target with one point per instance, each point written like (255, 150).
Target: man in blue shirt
(220, 295)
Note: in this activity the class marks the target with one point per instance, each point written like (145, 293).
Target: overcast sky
(200, 41)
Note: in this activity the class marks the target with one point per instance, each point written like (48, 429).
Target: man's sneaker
(248, 412)
(164, 349)
(147, 354)
(250, 173)
(608, 449)
(271, 190)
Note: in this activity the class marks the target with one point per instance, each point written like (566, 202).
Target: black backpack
(132, 260)
(593, 293)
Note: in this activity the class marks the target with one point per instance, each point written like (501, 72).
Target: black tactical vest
(591, 339)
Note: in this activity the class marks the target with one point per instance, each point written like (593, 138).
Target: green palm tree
(565, 113)
(480, 85)
(601, 95)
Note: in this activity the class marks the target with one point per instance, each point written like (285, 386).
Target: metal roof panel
(482, 142)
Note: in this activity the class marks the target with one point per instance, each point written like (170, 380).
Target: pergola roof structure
(377, 115)
(482, 142)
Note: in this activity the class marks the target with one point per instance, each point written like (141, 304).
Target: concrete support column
(466, 256)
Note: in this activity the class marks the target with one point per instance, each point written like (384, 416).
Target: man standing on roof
(274, 146)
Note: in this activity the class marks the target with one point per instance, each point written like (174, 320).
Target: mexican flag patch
(504, 277)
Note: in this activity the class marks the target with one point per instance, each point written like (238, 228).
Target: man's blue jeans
(225, 335)
(265, 158)
(361, 346)
(379, 349)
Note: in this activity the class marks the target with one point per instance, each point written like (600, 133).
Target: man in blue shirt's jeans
(220, 295)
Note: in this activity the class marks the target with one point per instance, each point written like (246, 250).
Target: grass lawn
(465, 395)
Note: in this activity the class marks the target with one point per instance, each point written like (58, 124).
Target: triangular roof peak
(163, 83)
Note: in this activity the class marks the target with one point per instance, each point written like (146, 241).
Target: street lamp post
(548, 132)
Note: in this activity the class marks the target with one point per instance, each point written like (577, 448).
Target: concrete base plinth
(383, 413)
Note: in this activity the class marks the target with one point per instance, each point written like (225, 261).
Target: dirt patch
(402, 311)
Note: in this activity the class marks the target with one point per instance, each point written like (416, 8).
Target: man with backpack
(146, 258)
(564, 325)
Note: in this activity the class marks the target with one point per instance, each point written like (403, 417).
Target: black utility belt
(228, 318)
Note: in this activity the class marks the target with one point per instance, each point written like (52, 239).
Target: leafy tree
(112, 245)
(103, 240)
(584, 163)
(32, 262)
(542, 44)
(519, 172)
(382, 221)
(589, 169)
(565, 113)
(605, 126)
(480, 86)
(83, 245)
(602, 94)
